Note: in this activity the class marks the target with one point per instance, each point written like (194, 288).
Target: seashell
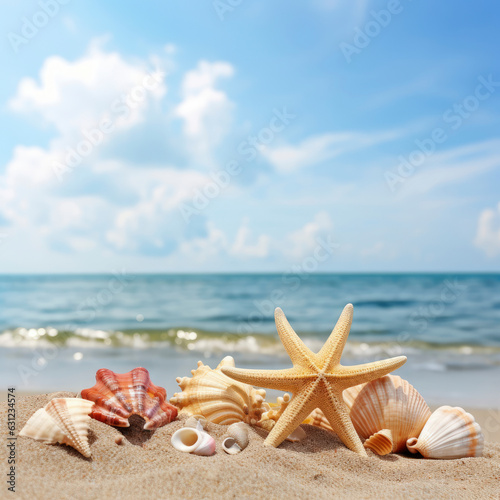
(119, 439)
(318, 419)
(118, 396)
(387, 412)
(62, 420)
(297, 435)
(218, 398)
(189, 440)
(193, 420)
(449, 433)
(237, 439)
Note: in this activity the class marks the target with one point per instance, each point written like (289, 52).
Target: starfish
(316, 380)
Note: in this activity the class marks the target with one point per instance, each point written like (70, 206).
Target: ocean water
(57, 331)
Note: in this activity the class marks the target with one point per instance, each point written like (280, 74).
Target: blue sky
(249, 136)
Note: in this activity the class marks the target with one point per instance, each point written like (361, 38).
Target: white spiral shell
(237, 438)
(196, 441)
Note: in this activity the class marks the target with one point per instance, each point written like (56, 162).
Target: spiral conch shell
(62, 420)
(237, 439)
(387, 412)
(193, 440)
(449, 433)
(218, 398)
(118, 396)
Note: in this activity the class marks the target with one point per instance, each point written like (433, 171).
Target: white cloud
(302, 242)
(320, 148)
(488, 231)
(26, 184)
(155, 223)
(76, 95)
(139, 213)
(243, 247)
(454, 165)
(205, 110)
(201, 249)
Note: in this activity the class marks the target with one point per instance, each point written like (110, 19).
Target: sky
(249, 136)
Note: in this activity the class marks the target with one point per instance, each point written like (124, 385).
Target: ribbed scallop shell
(62, 420)
(387, 412)
(218, 398)
(449, 433)
(318, 419)
(118, 396)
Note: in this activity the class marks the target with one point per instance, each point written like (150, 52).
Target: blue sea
(57, 331)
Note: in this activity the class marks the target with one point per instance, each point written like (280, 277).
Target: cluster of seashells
(222, 400)
(193, 438)
(392, 417)
(113, 399)
(388, 414)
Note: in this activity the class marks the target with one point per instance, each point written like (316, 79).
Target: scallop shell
(62, 420)
(196, 441)
(449, 433)
(387, 412)
(318, 419)
(237, 439)
(218, 398)
(118, 396)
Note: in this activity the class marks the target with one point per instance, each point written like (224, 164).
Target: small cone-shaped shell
(297, 435)
(237, 439)
(381, 442)
(391, 404)
(217, 397)
(449, 433)
(117, 396)
(62, 420)
(194, 420)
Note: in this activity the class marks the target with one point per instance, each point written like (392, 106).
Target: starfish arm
(295, 348)
(349, 376)
(283, 380)
(296, 412)
(331, 351)
(337, 414)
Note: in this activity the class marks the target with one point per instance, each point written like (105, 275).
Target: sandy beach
(146, 465)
